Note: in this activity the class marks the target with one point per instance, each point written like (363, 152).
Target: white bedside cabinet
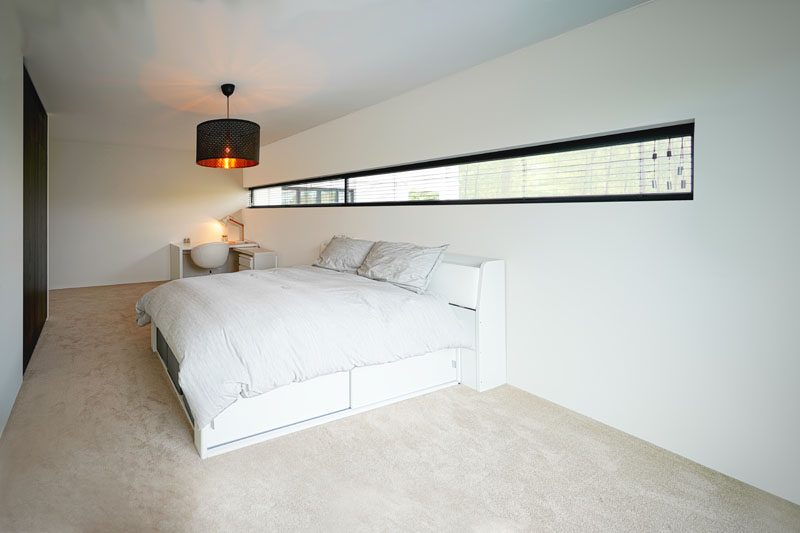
(256, 258)
(477, 289)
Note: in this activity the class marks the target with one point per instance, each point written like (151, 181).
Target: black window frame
(597, 141)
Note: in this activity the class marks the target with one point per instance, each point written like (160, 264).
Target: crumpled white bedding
(246, 333)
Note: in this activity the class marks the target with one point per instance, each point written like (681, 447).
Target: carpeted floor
(97, 442)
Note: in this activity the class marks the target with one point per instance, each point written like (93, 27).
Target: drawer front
(377, 383)
(245, 262)
(281, 407)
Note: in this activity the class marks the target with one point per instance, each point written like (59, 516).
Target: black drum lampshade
(228, 142)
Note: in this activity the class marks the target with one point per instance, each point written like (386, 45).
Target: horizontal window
(648, 164)
(327, 192)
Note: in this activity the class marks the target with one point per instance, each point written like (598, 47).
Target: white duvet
(243, 334)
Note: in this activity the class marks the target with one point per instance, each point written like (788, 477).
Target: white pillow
(403, 264)
(344, 254)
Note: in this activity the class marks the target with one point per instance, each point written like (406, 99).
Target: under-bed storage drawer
(281, 407)
(161, 346)
(378, 383)
(170, 361)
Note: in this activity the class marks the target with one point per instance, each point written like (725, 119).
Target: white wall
(114, 209)
(10, 210)
(672, 321)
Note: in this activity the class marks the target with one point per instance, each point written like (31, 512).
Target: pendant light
(228, 142)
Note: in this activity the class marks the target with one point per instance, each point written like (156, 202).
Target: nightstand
(256, 258)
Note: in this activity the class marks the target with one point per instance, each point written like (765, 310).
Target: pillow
(344, 254)
(403, 264)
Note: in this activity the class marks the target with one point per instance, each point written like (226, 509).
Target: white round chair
(210, 255)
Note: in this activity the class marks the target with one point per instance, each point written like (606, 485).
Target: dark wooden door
(34, 205)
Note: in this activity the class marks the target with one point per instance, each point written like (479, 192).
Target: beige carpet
(97, 442)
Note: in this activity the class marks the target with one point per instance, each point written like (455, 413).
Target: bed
(258, 354)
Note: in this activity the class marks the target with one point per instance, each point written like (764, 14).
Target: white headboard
(460, 278)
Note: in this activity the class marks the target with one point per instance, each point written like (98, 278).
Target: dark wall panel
(34, 219)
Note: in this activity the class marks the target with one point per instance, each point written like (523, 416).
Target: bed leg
(458, 358)
(199, 444)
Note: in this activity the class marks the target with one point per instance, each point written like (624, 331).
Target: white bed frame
(475, 286)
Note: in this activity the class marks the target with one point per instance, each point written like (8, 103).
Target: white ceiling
(146, 72)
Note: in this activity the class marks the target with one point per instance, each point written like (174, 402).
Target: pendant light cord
(228, 106)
